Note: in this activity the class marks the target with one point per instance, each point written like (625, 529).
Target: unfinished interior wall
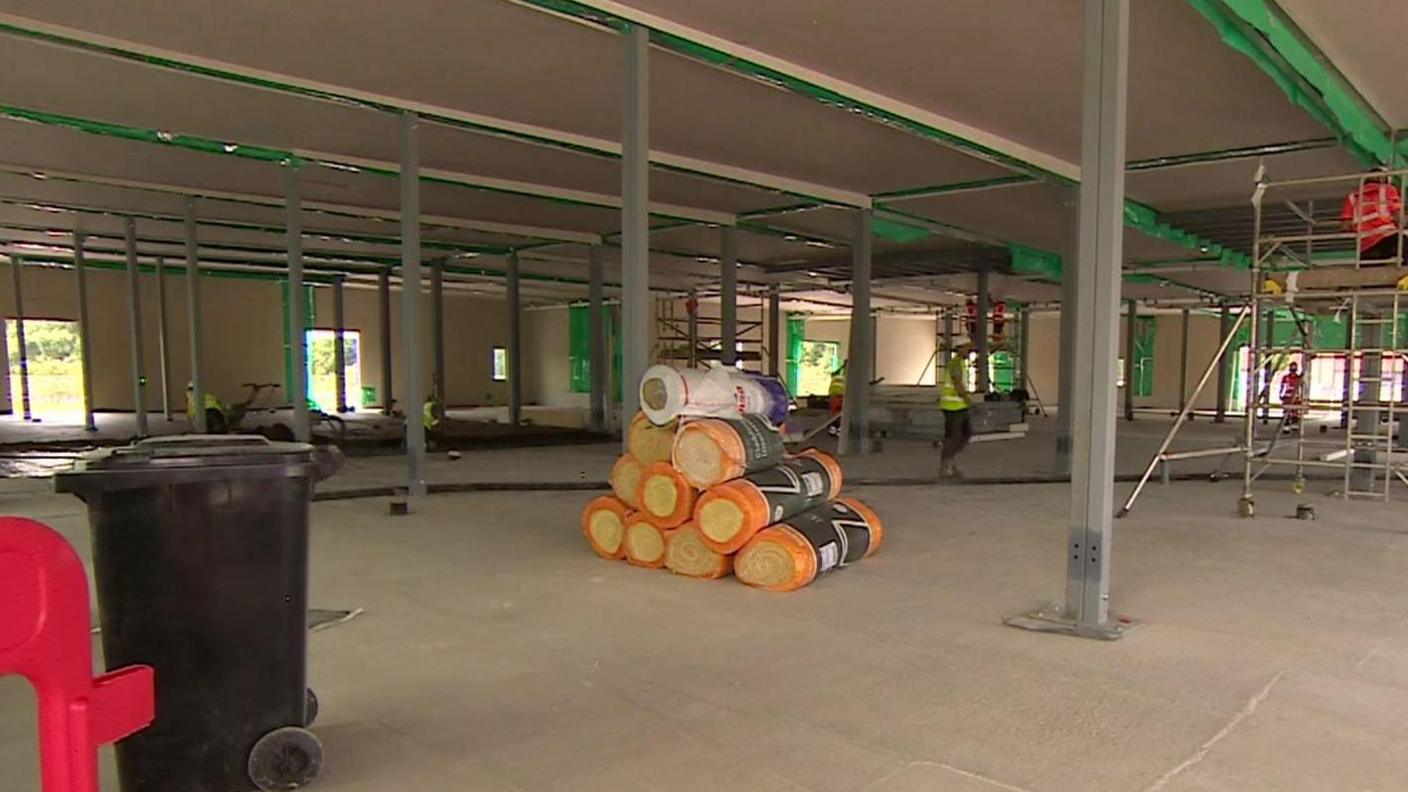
(904, 345)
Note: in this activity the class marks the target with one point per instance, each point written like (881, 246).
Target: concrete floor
(496, 653)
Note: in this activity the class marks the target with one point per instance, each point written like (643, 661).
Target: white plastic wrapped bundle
(668, 393)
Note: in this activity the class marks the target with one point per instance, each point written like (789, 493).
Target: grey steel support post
(7, 405)
(1086, 611)
(193, 317)
(1365, 423)
(197, 358)
(85, 346)
(980, 344)
(1224, 320)
(946, 353)
(1024, 344)
(728, 297)
(774, 330)
(437, 334)
(1130, 325)
(297, 322)
(1351, 342)
(413, 389)
(860, 367)
(1183, 361)
(16, 265)
(692, 325)
(515, 344)
(1268, 342)
(1070, 300)
(134, 303)
(163, 354)
(635, 221)
(339, 341)
(383, 323)
(597, 328)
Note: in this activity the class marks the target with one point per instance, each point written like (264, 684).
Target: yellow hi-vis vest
(949, 397)
(838, 385)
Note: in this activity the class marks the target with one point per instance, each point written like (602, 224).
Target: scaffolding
(1368, 375)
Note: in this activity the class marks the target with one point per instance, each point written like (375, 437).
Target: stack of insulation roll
(704, 493)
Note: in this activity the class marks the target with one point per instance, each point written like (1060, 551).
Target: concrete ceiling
(1366, 42)
(1010, 79)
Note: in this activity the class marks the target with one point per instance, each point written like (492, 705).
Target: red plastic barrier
(45, 637)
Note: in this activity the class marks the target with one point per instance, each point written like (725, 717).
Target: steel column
(1129, 349)
(437, 333)
(1070, 300)
(1224, 321)
(85, 346)
(860, 365)
(297, 322)
(1087, 609)
(515, 344)
(597, 329)
(413, 389)
(946, 353)
(774, 331)
(1366, 422)
(728, 296)
(383, 323)
(1024, 342)
(692, 325)
(1268, 341)
(193, 317)
(339, 341)
(980, 344)
(16, 265)
(1183, 362)
(163, 355)
(635, 220)
(134, 304)
(1351, 341)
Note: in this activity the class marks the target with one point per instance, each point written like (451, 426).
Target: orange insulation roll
(664, 497)
(604, 525)
(714, 450)
(792, 554)
(687, 554)
(649, 443)
(645, 543)
(625, 479)
(731, 513)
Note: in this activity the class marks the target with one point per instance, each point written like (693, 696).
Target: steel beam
(383, 324)
(1024, 344)
(728, 297)
(635, 220)
(597, 329)
(193, 318)
(775, 331)
(437, 333)
(1224, 323)
(22, 353)
(339, 341)
(515, 344)
(1086, 611)
(1131, 320)
(980, 344)
(297, 322)
(134, 312)
(85, 343)
(860, 365)
(413, 389)
(162, 341)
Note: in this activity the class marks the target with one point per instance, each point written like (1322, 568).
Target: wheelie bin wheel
(286, 758)
(310, 706)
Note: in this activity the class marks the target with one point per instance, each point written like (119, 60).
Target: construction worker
(836, 394)
(955, 401)
(214, 410)
(999, 320)
(970, 318)
(1372, 212)
(1291, 395)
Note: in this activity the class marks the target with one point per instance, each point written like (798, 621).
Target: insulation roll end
(664, 497)
(644, 543)
(778, 558)
(730, 514)
(687, 554)
(604, 526)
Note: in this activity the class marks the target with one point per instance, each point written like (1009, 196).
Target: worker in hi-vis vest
(954, 400)
(836, 397)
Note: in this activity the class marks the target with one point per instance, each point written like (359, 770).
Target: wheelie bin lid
(156, 461)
